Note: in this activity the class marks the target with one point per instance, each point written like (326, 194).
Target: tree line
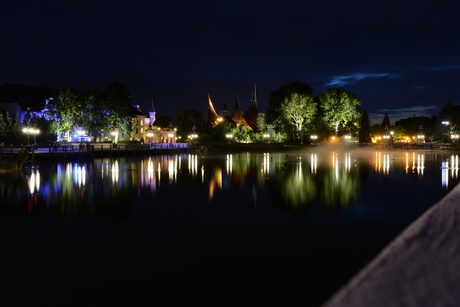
(293, 115)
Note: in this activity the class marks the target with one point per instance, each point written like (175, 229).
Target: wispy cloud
(445, 67)
(344, 80)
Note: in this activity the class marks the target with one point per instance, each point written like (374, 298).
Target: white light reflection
(172, 168)
(266, 169)
(314, 163)
(229, 164)
(115, 172)
(386, 164)
(347, 162)
(420, 163)
(452, 165)
(193, 164)
(34, 181)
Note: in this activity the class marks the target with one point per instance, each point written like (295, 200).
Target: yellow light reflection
(377, 161)
(215, 182)
(335, 165)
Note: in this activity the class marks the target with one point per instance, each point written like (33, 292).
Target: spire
(238, 116)
(152, 114)
(253, 111)
(254, 97)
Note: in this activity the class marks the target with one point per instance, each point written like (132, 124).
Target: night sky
(400, 57)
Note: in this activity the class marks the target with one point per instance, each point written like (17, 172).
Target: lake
(286, 228)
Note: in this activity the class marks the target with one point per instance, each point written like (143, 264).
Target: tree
(385, 122)
(274, 116)
(339, 107)
(364, 128)
(94, 117)
(298, 110)
(65, 110)
(119, 110)
(188, 121)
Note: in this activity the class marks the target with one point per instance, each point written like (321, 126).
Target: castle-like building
(247, 119)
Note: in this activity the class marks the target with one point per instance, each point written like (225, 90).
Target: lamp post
(31, 131)
(115, 135)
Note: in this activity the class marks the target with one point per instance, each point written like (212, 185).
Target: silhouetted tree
(386, 122)
(364, 134)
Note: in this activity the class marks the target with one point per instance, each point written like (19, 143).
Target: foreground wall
(421, 267)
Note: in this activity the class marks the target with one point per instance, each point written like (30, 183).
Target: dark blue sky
(400, 57)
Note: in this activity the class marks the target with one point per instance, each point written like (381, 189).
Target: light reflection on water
(294, 181)
(319, 212)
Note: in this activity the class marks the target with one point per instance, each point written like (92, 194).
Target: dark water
(231, 229)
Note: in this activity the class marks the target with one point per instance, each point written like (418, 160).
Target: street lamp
(115, 136)
(31, 131)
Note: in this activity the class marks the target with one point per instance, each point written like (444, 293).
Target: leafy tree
(364, 135)
(274, 116)
(119, 110)
(242, 134)
(339, 107)
(66, 109)
(188, 121)
(298, 110)
(94, 118)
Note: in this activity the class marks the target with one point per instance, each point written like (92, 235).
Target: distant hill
(27, 96)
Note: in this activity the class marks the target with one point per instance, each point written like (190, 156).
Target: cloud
(445, 67)
(339, 81)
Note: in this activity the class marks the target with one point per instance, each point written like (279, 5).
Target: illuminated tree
(339, 107)
(65, 110)
(274, 116)
(298, 110)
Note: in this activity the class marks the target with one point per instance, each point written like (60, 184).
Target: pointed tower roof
(253, 111)
(211, 117)
(212, 114)
(226, 116)
(238, 116)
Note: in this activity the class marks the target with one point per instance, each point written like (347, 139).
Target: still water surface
(242, 228)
